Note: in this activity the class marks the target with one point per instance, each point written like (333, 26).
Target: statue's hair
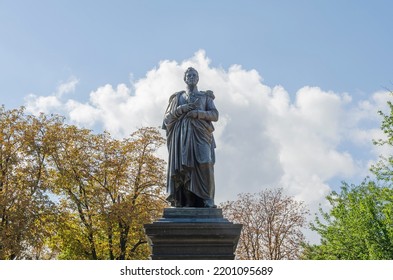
(188, 70)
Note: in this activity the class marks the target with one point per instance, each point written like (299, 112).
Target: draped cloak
(191, 145)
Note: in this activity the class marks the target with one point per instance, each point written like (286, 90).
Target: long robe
(191, 146)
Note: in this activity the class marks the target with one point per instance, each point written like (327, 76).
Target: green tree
(359, 225)
(384, 167)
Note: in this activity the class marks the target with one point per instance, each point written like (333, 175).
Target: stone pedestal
(193, 234)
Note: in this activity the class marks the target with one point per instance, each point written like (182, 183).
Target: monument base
(193, 234)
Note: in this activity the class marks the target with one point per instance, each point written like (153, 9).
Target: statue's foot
(209, 203)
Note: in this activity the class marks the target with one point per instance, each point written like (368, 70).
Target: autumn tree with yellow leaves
(68, 193)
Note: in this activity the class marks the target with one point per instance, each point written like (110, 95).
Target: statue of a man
(189, 129)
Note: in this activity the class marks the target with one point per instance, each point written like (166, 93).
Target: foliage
(383, 169)
(68, 193)
(272, 224)
(110, 188)
(25, 208)
(359, 225)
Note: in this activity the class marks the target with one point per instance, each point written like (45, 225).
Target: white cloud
(67, 87)
(263, 138)
(47, 104)
(42, 104)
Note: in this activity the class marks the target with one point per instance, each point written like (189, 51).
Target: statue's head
(191, 76)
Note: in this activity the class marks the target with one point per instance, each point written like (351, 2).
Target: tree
(359, 225)
(130, 191)
(68, 193)
(384, 167)
(108, 189)
(71, 161)
(25, 207)
(272, 225)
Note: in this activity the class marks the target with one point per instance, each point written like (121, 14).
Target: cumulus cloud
(265, 137)
(46, 104)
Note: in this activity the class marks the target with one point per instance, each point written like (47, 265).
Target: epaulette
(209, 93)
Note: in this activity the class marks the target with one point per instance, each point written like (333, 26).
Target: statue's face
(191, 77)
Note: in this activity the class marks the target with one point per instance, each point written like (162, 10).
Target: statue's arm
(211, 113)
(208, 115)
(176, 111)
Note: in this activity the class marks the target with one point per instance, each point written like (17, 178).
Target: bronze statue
(189, 130)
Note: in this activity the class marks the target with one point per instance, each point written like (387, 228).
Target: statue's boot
(209, 203)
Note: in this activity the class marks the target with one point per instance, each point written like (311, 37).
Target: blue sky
(298, 83)
(343, 46)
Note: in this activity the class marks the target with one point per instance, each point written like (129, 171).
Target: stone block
(193, 234)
